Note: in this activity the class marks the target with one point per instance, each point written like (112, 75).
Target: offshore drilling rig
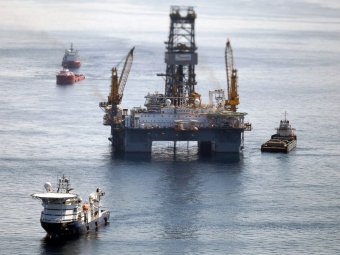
(178, 114)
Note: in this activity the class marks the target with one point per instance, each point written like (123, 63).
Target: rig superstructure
(178, 114)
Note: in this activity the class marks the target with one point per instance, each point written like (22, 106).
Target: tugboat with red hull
(66, 77)
(64, 213)
(71, 58)
(283, 141)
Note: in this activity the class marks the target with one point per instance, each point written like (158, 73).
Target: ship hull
(69, 79)
(74, 228)
(286, 146)
(71, 64)
(79, 77)
(65, 79)
(209, 139)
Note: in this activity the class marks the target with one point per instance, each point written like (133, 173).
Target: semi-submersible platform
(178, 114)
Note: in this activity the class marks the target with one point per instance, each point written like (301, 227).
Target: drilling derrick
(181, 57)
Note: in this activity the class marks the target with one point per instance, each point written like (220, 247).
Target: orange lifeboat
(86, 206)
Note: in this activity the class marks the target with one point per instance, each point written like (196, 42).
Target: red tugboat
(71, 58)
(66, 77)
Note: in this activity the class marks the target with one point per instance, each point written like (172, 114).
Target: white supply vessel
(65, 214)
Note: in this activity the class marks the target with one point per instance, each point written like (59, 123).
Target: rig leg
(227, 141)
(204, 148)
(137, 142)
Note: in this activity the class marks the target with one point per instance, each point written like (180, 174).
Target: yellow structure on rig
(118, 83)
(113, 114)
(113, 96)
(233, 98)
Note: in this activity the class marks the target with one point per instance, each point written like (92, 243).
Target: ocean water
(288, 58)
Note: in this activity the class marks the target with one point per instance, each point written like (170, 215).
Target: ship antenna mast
(64, 185)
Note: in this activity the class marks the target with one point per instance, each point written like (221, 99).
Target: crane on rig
(233, 98)
(117, 89)
(118, 83)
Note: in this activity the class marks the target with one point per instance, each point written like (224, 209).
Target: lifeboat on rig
(66, 77)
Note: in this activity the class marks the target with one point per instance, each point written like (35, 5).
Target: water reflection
(71, 245)
(139, 157)
(181, 154)
(179, 201)
(227, 158)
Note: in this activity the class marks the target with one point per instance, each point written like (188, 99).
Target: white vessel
(71, 58)
(65, 214)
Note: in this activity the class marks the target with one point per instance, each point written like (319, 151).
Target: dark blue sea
(287, 53)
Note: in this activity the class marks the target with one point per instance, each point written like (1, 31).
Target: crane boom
(233, 99)
(118, 83)
(125, 73)
(228, 64)
(113, 114)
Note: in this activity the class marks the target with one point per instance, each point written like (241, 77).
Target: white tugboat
(65, 214)
(283, 141)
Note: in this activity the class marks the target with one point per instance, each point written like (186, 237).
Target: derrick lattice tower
(181, 56)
